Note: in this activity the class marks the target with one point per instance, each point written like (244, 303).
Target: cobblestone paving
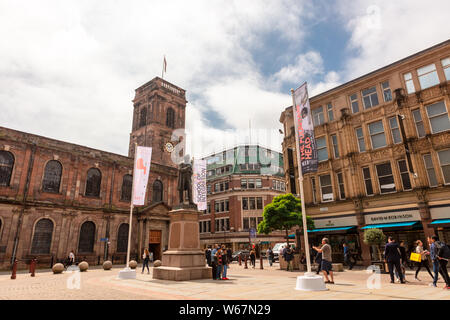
(244, 284)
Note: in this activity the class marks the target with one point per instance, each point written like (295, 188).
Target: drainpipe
(25, 193)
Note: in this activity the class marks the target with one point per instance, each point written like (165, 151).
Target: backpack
(443, 250)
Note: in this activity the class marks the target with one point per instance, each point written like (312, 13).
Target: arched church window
(127, 184)
(87, 237)
(157, 191)
(170, 118)
(122, 238)
(52, 176)
(6, 167)
(42, 239)
(93, 182)
(143, 117)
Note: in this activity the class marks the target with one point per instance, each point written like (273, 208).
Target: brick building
(363, 180)
(240, 182)
(57, 196)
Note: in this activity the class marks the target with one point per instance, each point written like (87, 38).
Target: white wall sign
(390, 217)
(332, 222)
(440, 213)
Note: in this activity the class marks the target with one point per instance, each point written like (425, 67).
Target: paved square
(244, 284)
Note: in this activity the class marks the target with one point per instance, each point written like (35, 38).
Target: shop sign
(389, 217)
(331, 222)
(440, 213)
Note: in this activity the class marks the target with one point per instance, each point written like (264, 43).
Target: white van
(276, 249)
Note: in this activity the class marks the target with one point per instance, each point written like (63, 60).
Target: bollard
(14, 269)
(240, 260)
(33, 266)
(245, 267)
(261, 262)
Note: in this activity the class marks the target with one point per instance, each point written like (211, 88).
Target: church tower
(159, 109)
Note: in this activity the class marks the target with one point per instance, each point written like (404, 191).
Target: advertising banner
(141, 172)
(199, 184)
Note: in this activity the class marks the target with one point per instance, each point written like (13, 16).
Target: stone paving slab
(244, 284)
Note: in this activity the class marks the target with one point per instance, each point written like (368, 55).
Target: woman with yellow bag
(420, 256)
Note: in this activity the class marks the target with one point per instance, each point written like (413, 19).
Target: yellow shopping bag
(415, 257)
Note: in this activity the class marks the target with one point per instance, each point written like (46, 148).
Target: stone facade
(24, 201)
(359, 193)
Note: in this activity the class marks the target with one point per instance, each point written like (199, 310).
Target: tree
(375, 237)
(283, 213)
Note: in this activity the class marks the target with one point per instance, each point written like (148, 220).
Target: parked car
(242, 253)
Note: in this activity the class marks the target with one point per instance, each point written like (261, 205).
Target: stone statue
(184, 180)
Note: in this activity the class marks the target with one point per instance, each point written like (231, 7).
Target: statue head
(187, 159)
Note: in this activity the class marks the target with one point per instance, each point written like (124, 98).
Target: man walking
(270, 255)
(347, 260)
(288, 256)
(327, 267)
(439, 255)
(392, 257)
(208, 255)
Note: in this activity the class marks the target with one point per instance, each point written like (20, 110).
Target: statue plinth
(184, 260)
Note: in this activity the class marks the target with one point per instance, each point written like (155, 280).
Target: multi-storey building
(240, 182)
(364, 130)
(57, 196)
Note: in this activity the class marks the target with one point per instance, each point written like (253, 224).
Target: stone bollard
(107, 265)
(33, 266)
(14, 269)
(58, 268)
(132, 264)
(83, 266)
(261, 262)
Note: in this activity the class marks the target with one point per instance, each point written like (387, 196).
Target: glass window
(409, 83)
(122, 238)
(208, 189)
(93, 182)
(432, 180)
(52, 176)
(367, 181)
(42, 238)
(335, 146)
(243, 183)
(313, 184)
(216, 206)
(246, 223)
(87, 237)
(395, 131)
(244, 203)
(360, 137)
(428, 76)
(385, 177)
(157, 191)
(370, 97)
(259, 204)
(252, 203)
(170, 118)
(326, 188)
(6, 167)
(377, 136)
(143, 117)
(258, 183)
(446, 67)
(340, 179)
(251, 183)
(403, 168)
(127, 185)
(437, 113)
(419, 123)
(354, 103)
(330, 112)
(318, 117)
(387, 94)
(322, 151)
(444, 159)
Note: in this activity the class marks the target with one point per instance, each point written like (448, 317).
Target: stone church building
(57, 196)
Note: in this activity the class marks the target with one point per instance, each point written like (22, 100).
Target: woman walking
(146, 257)
(253, 257)
(424, 260)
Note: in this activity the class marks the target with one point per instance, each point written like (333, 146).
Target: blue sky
(68, 69)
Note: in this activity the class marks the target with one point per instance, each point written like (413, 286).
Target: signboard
(104, 239)
(440, 212)
(252, 233)
(141, 171)
(199, 184)
(306, 144)
(391, 217)
(331, 222)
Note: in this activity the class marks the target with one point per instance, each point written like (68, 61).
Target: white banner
(199, 184)
(141, 172)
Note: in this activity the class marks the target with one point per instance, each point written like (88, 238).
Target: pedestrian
(289, 256)
(270, 256)
(229, 256)
(214, 262)
(225, 262)
(219, 259)
(423, 259)
(208, 255)
(253, 258)
(318, 260)
(347, 259)
(440, 254)
(392, 257)
(326, 264)
(146, 257)
(403, 261)
(71, 258)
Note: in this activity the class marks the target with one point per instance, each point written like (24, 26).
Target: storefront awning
(291, 236)
(390, 225)
(440, 221)
(332, 229)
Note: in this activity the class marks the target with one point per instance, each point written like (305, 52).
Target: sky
(68, 69)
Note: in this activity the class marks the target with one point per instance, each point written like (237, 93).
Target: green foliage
(374, 237)
(283, 213)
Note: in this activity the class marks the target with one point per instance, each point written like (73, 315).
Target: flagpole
(300, 180)
(131, 210)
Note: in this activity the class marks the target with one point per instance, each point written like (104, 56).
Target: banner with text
(141, 172)
(305, 130)
(199, 185)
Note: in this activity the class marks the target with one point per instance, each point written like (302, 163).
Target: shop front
(338, 230)
(440, 216)
(403, 225)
